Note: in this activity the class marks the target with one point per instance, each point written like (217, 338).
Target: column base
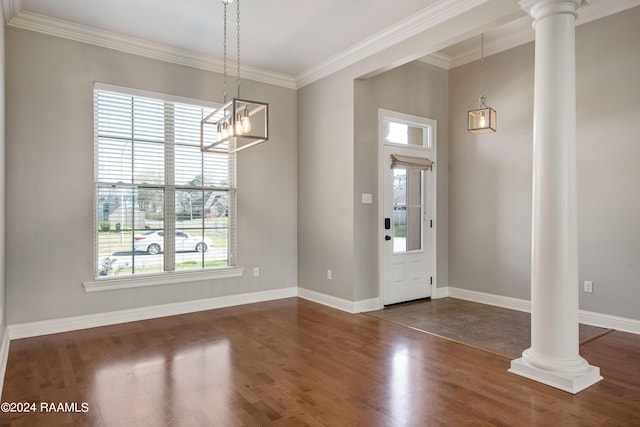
(571, 380)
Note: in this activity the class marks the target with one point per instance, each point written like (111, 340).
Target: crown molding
(17, 17)
(436, 14)
(409, 27)
(10, 8)
(443, 10)
(515, 39)
(438, 59)
(596, 9)
(593, 10)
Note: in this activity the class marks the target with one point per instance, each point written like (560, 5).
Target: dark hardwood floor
(295, 363)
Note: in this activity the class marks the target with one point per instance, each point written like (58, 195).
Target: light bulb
(483, 120)
(246, 123)
(239, 130)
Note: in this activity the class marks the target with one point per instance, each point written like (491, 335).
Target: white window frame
(168, 276)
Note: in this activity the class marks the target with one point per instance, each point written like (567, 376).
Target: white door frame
(383, 162)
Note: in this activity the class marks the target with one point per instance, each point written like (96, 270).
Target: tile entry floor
(499, 330)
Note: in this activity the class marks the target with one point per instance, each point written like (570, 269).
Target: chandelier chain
(240, 123)
(224, 56)
(482, 66)
(238, 81)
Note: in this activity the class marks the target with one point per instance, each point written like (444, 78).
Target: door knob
(387, 237)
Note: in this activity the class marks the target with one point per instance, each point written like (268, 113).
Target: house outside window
(161, 205)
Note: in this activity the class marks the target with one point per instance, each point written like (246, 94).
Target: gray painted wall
(3, 182)
(608, 90)
(418, 89)
(50, 171)
(331, 175)
(325, 209)
(49, 156)
(490, 176)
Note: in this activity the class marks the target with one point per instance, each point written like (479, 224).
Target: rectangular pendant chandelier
(482, 120)
(237, 125)
(240, 123)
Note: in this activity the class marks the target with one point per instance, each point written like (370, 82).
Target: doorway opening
(407, 185)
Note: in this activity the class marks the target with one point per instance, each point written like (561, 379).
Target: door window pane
(407, 210)
(406, 134)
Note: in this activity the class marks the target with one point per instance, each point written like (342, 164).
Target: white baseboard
(4, 355)
(438, 293)
(610, 322)
(586, 317)
(490, 299)
(367, 305)
(32, 329)
(328, 300)
(45, 327)
(352, 307)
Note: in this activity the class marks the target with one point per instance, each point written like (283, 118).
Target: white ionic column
(553, 357)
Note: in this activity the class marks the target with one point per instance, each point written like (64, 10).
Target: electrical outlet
(588, 286)
(256, 271)
(329, 274)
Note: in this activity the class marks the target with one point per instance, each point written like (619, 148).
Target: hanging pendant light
(484, 119)
(239, 123)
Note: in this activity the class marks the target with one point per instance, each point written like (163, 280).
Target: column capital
(539, 9)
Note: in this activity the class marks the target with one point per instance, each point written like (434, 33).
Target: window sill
(167, 278)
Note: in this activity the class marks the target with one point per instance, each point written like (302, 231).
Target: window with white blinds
(161, 204)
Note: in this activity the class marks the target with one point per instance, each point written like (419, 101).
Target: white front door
(407, 237)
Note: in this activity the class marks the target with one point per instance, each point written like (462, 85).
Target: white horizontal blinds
(193, 166)
(130, 139)
(151, 176)
(169, 202)
(204, 182)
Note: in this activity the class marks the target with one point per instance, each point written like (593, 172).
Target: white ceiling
(287, 36)
(281, 40)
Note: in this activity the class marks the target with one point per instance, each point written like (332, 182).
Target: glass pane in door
(407, 210)
(406, 134)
